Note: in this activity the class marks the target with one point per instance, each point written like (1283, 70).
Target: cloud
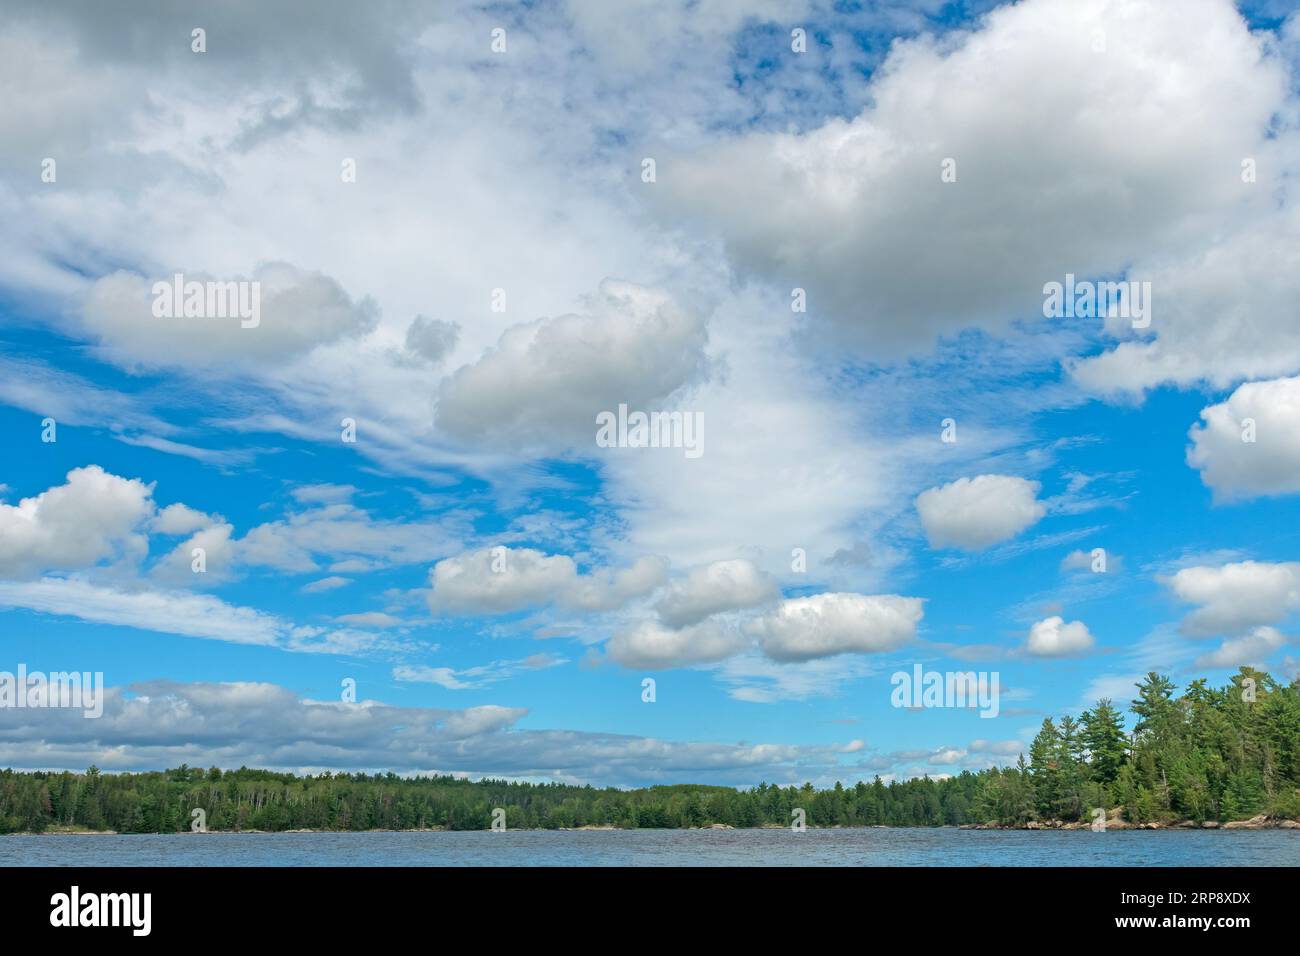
(976, 513)
(546, 381)
(1220, 314)
(168, 612)
(324, 493)
(800, 629)
(93, 517)
(1237, 596)
(1080, 560)
(340, 531)
(892, 257)
(756, 679)
(472, 677)
(158, 724)
(185, 614)
(1267, 465)
(216, 550)
(720, 586)
(651, 646)
(1053, 637)
(299, 312)
(370, 619)
(325, 584)
(502, 580)
(430, 340)
(181, 519)
(1253, 649)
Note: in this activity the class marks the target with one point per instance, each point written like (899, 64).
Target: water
(867, 847)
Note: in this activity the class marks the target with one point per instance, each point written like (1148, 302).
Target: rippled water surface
(868, 847)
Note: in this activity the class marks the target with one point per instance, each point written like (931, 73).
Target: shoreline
(1258, 822)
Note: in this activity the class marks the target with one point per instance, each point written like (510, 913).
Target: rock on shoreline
(1116, 822)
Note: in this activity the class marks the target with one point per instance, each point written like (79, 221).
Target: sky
(375, 523)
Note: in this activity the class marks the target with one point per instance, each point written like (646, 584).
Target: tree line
(1207, 754)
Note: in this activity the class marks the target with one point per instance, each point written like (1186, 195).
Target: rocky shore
(1114, 821)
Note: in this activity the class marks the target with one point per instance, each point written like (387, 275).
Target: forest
(1206, 754)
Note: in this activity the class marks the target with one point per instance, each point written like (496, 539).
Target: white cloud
(651, 646)
(757, 679)
(1267, 465)
(605, 589)
(325, 584)
(323, 493)
(1237, 596)
(855, 211)
(341, 531)
(1053, 637)
(975, 513)
(93, 517)
(299, 311)
(1220, 314)
(168, 612)
(546, 381)
(178, 519)
(370, 619)
(164, 723)
(823, 625)
(1081, 560)
(720, 586)
(185, 614)
(217, 551)
(500, 580)
(444, 677)
(471, 677)
(1253, 648)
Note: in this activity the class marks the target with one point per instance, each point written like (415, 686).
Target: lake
(865, 847)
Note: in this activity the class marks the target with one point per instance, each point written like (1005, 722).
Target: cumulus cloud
(546, 381)
(1053, 637)
(298, 311)
(1267, 413)
(501, 580)
(1220, 315)
(855, 211)
(1253, 649)
(1236, 596)
(651, 646)
(181, 519)
(800, 629)
(720, 586)
(216, 551)
(93, 517)
(975, 513)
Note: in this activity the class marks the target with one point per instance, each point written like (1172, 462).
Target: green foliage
(1209, 754)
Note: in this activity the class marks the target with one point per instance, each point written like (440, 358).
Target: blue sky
(500, 271)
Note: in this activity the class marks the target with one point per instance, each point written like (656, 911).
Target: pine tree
(1103, 735)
